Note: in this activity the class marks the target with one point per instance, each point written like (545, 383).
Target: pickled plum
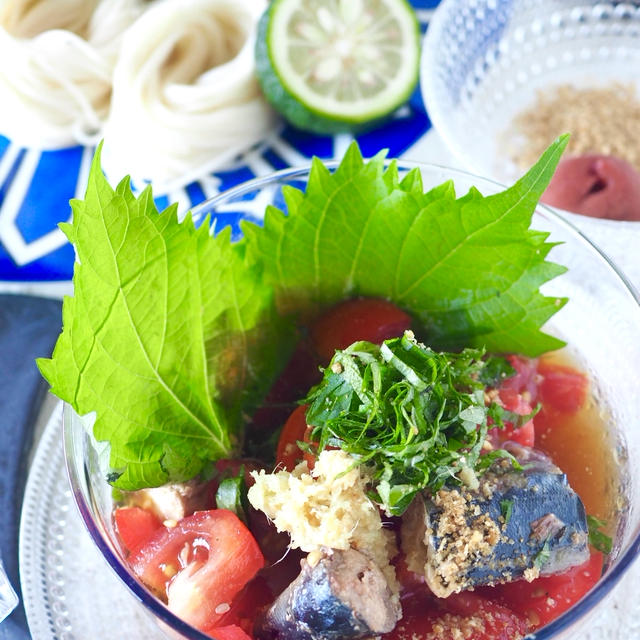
(597, 186)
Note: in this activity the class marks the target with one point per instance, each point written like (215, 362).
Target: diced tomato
(562, 387)
(369, 319)
(544, 599)
(288, 453)
(246, 605)
(525, 379)
(525, 435)
(463, 615)
(135, 526)
(229, 632)
(201, 564)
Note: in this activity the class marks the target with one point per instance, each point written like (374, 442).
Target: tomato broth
(582, 444)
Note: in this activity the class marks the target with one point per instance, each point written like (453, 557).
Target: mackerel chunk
(516, 524)
(338, 594)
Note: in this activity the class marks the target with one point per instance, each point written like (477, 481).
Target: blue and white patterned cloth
(36, 186)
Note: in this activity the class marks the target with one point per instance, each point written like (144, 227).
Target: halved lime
(337, 65)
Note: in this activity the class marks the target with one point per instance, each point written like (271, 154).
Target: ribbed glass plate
(69, 590)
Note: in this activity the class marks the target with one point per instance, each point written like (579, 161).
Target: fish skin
(547, 532)
(313, 608)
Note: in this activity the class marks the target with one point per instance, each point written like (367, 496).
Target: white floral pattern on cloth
(8, 597)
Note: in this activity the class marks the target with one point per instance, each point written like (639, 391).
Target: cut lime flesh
(336, 65)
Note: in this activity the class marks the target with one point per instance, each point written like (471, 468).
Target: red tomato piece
(135, 526)
(369, 319)
(462, 615)
(561, 387)
(201, 564)
(525, 435)
(525, 379)
(246, 605)
(229, 632)
(544, 599)
(288, 453)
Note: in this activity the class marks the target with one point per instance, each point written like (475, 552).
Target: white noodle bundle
(56, 66)
(185, 98)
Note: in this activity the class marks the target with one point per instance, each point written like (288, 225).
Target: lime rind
(304, 109)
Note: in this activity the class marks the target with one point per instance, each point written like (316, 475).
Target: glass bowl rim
(157, 608)
(556, 215)
(150, 602)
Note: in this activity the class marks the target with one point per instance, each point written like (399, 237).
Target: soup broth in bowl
(520, 406)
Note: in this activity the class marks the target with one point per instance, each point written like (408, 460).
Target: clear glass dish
(601, 323)
(484, 61)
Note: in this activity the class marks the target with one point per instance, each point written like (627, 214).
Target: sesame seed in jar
(601, 120)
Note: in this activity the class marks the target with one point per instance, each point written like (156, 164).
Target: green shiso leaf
(542, 557)
(170, 338)
(173, 337)
(232, 495)
(506, 509)
(598, 539)
(469, 268)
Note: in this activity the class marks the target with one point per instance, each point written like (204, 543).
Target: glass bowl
(484, 61)
(601, 323)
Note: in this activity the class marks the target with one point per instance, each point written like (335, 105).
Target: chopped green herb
(542, 557)
(499, 416)
(506, 508)
(496, 372)
(415, 416)
(597, 539)
(487, 459)
(232, 495)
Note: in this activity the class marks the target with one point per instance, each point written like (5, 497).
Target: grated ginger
(327, 507)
